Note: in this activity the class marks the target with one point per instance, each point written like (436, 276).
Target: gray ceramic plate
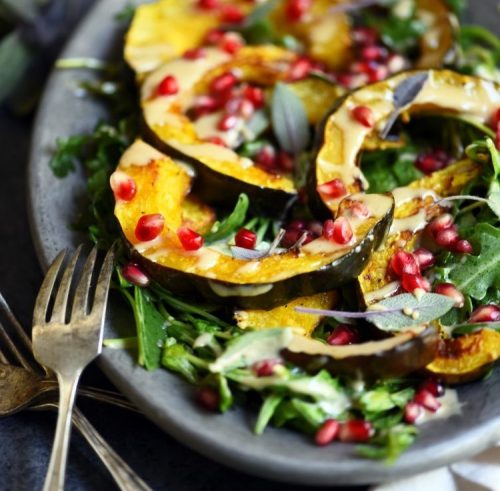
(278, 454)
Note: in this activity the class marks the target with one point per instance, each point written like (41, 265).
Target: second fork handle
(124, 476)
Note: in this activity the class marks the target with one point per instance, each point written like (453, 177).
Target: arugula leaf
(380, 399)
(175, 357)
(474, 275)
(232, 223)
(289, 120)
(67, 154)
(150, 329)
(226, 396)
(271, 402)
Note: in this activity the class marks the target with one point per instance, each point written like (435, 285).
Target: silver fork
(68, 347)
(20, 388)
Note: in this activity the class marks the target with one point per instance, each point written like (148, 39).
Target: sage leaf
(251, 347)
(494, 202)
(289, 120)
(404, 94)
(428, 308)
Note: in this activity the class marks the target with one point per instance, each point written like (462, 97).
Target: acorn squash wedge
(415, 207)
(390, 357)
(466, 358)
(319, 266)
(342, 138)
(287, 316)
(222, 174)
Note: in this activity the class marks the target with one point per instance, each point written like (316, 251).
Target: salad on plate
(305, 195)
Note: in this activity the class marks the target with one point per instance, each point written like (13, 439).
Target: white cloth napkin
(480, 473)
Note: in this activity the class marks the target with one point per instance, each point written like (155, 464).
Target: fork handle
(124, 476)
(54, 480)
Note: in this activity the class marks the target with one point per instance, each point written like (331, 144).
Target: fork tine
(61, 301)
(43, 297)
(14, 350)
(102, 287)
(81, 300)
(2, 358)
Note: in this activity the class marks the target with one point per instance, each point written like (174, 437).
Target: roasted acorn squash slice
(342, 138)
(222, 175)
(391, 357)
(466, 358)
(319, 266)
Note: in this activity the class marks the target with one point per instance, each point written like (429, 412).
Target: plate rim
(280, 468)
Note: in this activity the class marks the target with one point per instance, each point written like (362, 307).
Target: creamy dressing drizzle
(239, 290)
(140, 153)
(381, 293)
(206, 127)
(412, 223)
(405, 194)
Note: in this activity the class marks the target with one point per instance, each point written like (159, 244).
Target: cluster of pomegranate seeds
(425, 398)
(265, 368)
(133, 274)
(332, 189)
(343, 334)
(486, 313)
(363, 115)
(190, 240)
(230, 42)
(327, 432)
(274, 161)
(445, 234)
(194, 54)
(296, 228)
(339, 230)
(122, 185)
(149, 227)
(450, 290)
(356, 431)
(208, 4)
(245, 238)
(429, 162)
(168, 86)
(405, 266)
(424, 257)
(228, 13)
(296, 9)
(373, 61)
(208, 398)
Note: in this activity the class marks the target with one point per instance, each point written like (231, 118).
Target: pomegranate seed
(497, 138)
(168, 86)
(373, 52)
(425, 258)
(266, 157)
(299, 69)
(123, 186)
(346, 80)
(462, 247)
(255, 95)
(285, 161)
(297, 224)
(265, 368)
(149, 227)
(245, 238)
(426, 399)
(214, 36)
(194, 54)
(246, 109)
(231, 43)
(292, 236)
(231, 14)
(451, 291)
(208, 4)
(295, 9)
(442, 222)
(133, 274)
(203, 105)
(495, 120)
(433, 386)
(428, 164)
(356, 430)
(332, 189)
(364, 116)
(223, 82)
(404, 263)
(412, 412)
(190, 240)
(378, 73)
(342, 335)
(447, 238)
(339, 231)
(208, 398)
(316, 228)
(365, 35)
(227, 122)
(486, 313)
(411, 282)
(216, 140)
(359, 209)
(396, 63)
(327, 432)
